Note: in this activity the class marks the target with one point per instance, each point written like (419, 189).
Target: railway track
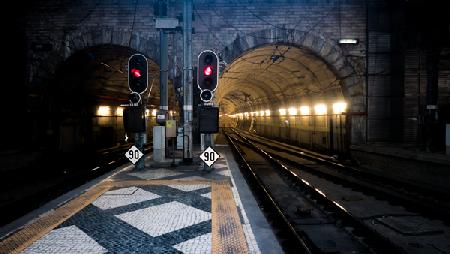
(326, 214)
(424, 201)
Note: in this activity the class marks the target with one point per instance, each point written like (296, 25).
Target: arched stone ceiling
(274, 74)
(100, 75)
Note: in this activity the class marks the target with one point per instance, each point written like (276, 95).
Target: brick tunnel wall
(228, 27)
(57, 29)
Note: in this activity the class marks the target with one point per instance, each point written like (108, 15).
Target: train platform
(181, 209)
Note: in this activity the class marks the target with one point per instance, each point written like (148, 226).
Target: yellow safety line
(227, 232)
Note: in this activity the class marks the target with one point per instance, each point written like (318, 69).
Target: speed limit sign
(133, 154)
(209, 156)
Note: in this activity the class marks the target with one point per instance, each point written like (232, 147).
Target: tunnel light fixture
(304, 110)
(104, 111)
(320, 109)
(292, 111)
(348, 41)
(119, 111)
(282, 111)
(339, 107)
(153, 112)
(267, 113)
(261, 113)
(246, 114)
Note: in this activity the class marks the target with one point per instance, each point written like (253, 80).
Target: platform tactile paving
(227, 232)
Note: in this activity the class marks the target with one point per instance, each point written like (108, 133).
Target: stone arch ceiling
(104, 75)
(273, 74)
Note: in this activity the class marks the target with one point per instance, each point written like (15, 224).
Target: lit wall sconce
(339, 107)
(292, 111)
(119, 111)
(104, 111)
(320, 109)
(348, 41)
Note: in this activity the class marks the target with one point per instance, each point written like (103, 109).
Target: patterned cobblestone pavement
(144, 219)
(135, 216)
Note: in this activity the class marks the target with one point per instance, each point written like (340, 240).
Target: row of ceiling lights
(319, 109)
(107, 111)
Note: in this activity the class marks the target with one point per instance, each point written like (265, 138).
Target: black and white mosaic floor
(220, 172)
(144, 219)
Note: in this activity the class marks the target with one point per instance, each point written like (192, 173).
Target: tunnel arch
(325, 48)
(89, 79)
(43, 64)
(349, 73)
(277, 73)
(103, 69)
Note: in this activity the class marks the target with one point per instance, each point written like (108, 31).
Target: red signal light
(136, 73)
(208, 71)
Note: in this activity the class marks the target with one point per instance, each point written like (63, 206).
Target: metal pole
(140, 141)
(163, 77)
(174, 143)
(187, 80)
(164, 103)
(208, 142)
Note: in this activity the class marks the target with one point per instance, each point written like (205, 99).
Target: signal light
(206, 95)
(209, 59)
(208, 74)
(137, 74)
(208, 71)
(134, 97)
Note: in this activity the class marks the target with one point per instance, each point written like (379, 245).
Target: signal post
(207, 81)
(134, 113)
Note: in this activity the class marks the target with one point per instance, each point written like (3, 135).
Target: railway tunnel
(332, 128)
(288, 93)
(86, 104)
